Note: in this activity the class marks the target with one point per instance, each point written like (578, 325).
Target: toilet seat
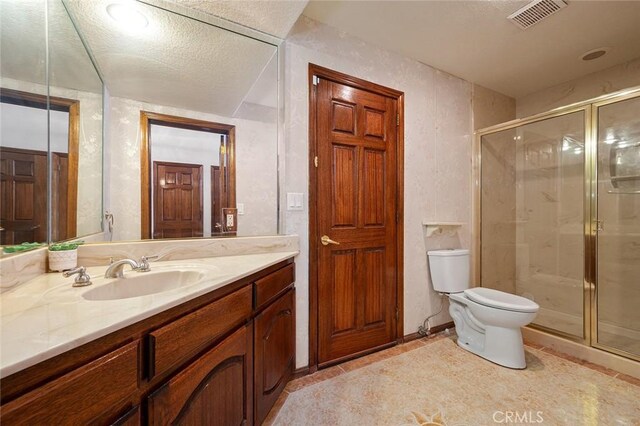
(501, 300)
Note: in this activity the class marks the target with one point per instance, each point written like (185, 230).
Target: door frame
(338, 77)
(148, 118)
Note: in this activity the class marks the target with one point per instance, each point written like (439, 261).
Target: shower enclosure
(558, 217)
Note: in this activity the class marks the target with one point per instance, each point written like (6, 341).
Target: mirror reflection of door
(29, 132)
(191, 176)
(177, 200)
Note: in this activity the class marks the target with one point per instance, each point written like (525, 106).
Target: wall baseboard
(434, 330)
(300, 372)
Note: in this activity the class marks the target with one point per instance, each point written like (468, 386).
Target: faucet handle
(144, 263)
(83, 279)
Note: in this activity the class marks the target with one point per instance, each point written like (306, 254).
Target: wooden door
(216, 389)
(356, 137)
(23, 196)
(274, 345)
(177, 200)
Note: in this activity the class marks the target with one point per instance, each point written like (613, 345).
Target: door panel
(177, 200)
(356, 136)
(24, 196)
(374, 289)
(344, 291)
(374, 188)
(345, 180)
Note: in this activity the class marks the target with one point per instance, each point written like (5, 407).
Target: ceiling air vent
(535, 12)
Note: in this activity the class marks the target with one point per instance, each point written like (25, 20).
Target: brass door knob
(325, 240)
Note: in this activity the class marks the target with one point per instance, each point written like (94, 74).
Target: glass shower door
(617, 321)
(532, 217)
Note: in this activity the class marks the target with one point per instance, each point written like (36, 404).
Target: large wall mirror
(51, 124)
(191, 122)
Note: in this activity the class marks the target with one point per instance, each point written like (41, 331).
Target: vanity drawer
(173, 343)
(98, 390)
(270, 286)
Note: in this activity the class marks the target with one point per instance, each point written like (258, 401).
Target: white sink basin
(144, 284)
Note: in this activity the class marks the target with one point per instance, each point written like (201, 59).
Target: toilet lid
(501, 300)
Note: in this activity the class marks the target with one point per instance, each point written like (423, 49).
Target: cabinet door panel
(274, 343)
(214, 390)
(98, 390)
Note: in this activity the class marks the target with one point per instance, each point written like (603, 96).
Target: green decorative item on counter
(21, 247)
(65, 246)
(63, 256)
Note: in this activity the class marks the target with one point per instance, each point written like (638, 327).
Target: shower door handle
(599, 225)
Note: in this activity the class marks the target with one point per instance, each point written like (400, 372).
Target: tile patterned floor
(434, 382)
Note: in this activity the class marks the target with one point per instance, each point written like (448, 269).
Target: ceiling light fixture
(594, 54)
(127, 16)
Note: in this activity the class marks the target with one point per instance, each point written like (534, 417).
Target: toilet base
(478, 334)
(502, 346)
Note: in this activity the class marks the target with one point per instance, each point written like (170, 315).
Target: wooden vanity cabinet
(220, 359)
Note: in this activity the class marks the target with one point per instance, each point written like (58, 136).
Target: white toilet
(487, 321)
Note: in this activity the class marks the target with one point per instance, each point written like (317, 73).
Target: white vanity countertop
(46, 316)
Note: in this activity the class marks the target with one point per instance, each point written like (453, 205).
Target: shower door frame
(590, 204)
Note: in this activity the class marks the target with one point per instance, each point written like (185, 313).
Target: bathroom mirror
(51, 127)
(192, 122)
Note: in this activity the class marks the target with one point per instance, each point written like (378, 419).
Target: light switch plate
(295, 201)
(240, 207)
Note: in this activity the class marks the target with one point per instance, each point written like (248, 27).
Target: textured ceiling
(274, 17)
(23, 36)
(174, 61)
(475, 41)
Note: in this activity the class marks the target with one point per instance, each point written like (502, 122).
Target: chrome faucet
(82, 279)
(115, 270)
(144, 263)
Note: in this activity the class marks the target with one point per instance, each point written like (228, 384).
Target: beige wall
(491, 108)
(590, 86)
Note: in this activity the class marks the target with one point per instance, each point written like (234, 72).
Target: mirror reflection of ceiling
(23, 46)
(172, 60)
(271, 17)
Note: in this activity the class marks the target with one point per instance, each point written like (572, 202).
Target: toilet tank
(449, 270)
